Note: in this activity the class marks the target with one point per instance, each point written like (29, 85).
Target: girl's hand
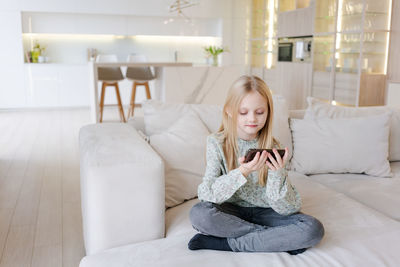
(279, 163)
(254, 165)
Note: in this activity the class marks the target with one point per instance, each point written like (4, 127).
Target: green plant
(39, 48)
(37, 51)
(214, 50)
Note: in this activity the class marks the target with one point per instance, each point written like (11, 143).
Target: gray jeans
(256, 229)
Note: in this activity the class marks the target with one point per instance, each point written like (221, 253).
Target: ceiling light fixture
(177, 6)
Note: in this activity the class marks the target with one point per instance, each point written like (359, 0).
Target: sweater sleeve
(282, 195)
(217, 187)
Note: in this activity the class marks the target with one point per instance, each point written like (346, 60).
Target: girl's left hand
(279, 163)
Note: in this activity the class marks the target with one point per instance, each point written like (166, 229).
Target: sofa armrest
(122, 187)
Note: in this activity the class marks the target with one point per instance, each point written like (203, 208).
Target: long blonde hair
(240, 88)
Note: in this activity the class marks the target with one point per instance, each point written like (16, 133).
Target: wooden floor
(40, 212)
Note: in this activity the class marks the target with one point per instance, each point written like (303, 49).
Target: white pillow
(211, 115)
(158, 116)
(351, 145)
(182, 147)
(318, 109)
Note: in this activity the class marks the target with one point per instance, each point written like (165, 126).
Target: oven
(295, 49)
(285, 51)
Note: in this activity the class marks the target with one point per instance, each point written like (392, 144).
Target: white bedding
(382, 194)
(355, 235)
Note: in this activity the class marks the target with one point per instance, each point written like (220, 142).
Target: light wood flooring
(40, 211)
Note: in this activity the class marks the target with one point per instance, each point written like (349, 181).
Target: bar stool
(139, 76)
(110, 77)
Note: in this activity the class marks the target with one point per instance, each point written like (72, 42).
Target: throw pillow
(351, 145)
(158, 116)
(318, 109)
(182, 147)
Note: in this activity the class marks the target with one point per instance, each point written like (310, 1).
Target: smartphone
(251, 153)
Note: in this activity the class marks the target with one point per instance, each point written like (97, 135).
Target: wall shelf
(350, 48)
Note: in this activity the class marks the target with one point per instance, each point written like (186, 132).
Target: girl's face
(252, 115)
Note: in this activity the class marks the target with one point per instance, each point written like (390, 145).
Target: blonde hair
(240, 88)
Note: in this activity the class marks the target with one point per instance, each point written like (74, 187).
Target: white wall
(12, 89)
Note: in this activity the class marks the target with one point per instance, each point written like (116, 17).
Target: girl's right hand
(254, 165)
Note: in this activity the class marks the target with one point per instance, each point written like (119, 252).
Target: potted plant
(213, 52)
(37, 51)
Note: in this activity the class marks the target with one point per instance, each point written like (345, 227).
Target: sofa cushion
(355, 235)
(382, 195)
(177, 220)
(158, 116)
(351, 145)
(318, 109)
(182, 147)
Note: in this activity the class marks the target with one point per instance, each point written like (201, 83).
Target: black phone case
(251, 153)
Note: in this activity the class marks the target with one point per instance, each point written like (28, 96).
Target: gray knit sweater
(220, 186)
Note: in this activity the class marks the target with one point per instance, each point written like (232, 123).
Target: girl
(250, 206)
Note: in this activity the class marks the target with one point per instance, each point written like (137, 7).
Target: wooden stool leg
(146, 84)
(121, 109)
(103, 92)
(132, 104)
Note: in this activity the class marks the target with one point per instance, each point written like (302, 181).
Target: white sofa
(125, 222)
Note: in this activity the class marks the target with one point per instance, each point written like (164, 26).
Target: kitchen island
(174, 83)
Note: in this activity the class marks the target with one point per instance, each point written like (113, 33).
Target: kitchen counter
(141, 64)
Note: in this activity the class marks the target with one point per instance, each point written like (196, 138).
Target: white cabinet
(12, 90)
(67, 85)
(64, 23)
(297, 22)
(73, 85)
(57, 85)
(42, 83)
